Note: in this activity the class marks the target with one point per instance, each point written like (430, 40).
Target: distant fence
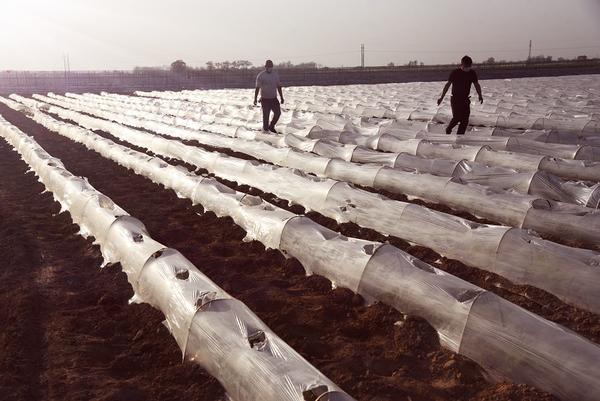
(24, 82)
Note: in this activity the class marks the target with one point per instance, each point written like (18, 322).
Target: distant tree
(391, 64)
(244, 64)
(540, 59)
(289, 64)
(223, 65)
(490, 60)
(536, 59)
(178, 66)
(147, 69)
(285, 64)
(308, 65)
(582, 58)
(421, 64)
(561, 59)
(413, 63)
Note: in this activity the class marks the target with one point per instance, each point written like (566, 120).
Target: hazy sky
(121, 34)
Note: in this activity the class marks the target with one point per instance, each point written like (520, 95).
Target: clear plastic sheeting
(535, 183)
(568, 104)
(512, 144)
(127, 229)
(225, 337)
(584, 194)
(348, 172)
(559, 219)
(578, 152)
(498, 205)
(578, 119)
(446, 310)
(481, 340)
(349, 133)
(469, 319)
(441, 167)
(570, 169)
(552, 188)
(511, 253)
(573, 169)
(211, 328)
(499, 143)
(578, 193)
(256, 378)
(319, 249)
(555, 136)
(478, 323)
(472, 243)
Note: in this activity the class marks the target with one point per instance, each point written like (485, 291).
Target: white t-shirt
(268, 83)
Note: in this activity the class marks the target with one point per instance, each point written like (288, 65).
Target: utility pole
(529, 57)
(67, 68)
(362, 56)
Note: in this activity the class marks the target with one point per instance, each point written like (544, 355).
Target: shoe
(273, 130)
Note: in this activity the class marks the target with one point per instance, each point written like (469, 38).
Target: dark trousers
(461, 110)
(269, 105)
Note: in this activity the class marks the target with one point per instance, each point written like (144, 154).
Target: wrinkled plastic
(211, 328)
(356, 136)
(539, 184)
(468, 319)
(501, 206)
(472, 243)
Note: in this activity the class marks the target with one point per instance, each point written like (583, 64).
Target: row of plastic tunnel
(507, 250)
(212, 328)
(536, 104)
(504, 339)
(552, 174)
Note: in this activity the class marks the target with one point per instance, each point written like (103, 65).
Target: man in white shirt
(268, 84)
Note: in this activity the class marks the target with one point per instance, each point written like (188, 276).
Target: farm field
(360, 253)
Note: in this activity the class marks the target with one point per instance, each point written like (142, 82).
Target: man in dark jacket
(461, 80)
